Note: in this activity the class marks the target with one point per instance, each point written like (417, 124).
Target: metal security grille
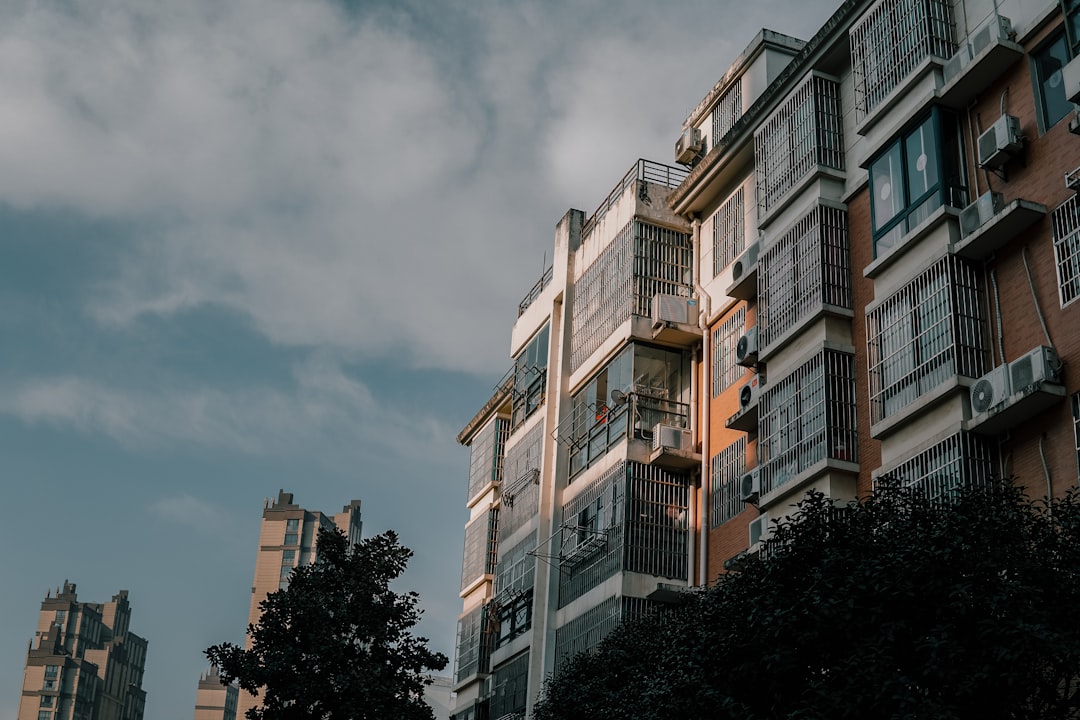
(1066, 223)
(727, 112)
(930, 330)
(640, 176)
(807, 268)
(891, 40)
(640, 262)
(804, 133)
(957, 461)
(516, 570)
(656, 521)
(473, 644)
(1076, 427)
(521, 491)
(728, 467)
(729, 231)
(599, 509)
(807, 417)
(587, 630)
(481, 547)
(486, 456)
(509, 686)
(725, 341)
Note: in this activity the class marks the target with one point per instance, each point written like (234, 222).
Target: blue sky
(272, 244)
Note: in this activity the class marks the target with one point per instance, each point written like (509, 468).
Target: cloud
(197, 514)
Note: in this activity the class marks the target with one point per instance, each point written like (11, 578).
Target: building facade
(866, 263)
(214, 699)
(84, 663)
(287, 538)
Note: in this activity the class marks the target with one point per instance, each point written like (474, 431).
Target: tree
(335, 644)
(896, 606)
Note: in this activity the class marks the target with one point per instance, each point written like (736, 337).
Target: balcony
(535, 290)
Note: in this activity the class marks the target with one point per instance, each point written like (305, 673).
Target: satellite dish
(618, 397)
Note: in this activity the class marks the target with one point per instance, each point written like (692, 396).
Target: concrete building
(214, 699)
(287, 538)
(84, 662)
(868, 263)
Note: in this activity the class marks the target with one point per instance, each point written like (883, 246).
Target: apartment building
(214, 699)
(287, 538)
(84, 663)
(866, 263)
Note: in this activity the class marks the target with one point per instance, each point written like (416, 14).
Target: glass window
(1076, 425)
(1048, 63)
(292, 525)
(914, 176)
(725, 342)
(44, 715)
(288, 556)
(61, 616)
(1066, 224)
(51, 671)
(530, 375)
(290, 538)
(47, 701)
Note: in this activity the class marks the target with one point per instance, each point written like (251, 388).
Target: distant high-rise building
(85, 663)
(287, 539)
(215, 700)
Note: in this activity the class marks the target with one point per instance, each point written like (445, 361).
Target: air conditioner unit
(671, 309)
(999, 29)
(1039, 365)
(1000, 142)
(746, 352)
(956, 64)
(748, 393)
(688, 145)
(744, 262)
(750, 485)
(669, 437)
(1070, 79)
(990, 390)
(759, 529)
(975, 215)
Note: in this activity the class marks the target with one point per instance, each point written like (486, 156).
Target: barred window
(587, 630)
(1076, 428)
(727, 112)
(959, 460)
(481, 547)
(521, 490)
(727, 467)
(509, 688)
(725, 341)
(891, 41)
(925, 333)
(517, 567)
(807, 417)
(806, 132)
(486, 456)
(530, 376)
(729, 231)
(807, 268)
(1066, 223)
(473, 644)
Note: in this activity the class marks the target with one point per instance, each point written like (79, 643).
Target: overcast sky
(260, 244)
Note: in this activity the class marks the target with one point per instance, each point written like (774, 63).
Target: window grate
(890, 42)
(521, 495)
(1066, 223)
(725, 341)
(807, 417)
(805, 269)
(729, 231)
(509, 687)
(959, 460)
(486, 456)
(481, 547)
(587, 630)
(728, 467)
(474, 642)
(804, 133)
(930, 330)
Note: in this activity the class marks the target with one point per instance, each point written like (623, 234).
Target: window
(47, 701)
(44, 715)
(914, 176)
(509, 688)
(930, 330)
(530, 374)
(473, 643)
(958, 460)
(292, 525)
(727, 468)
(1066, 223)
(486, 456)
(727, 112)
(61, 616)
(290, 539)
(1047, 63)
(1076, 426)
(288, 556)
(729, 231)
(481, 547)
(725, 341)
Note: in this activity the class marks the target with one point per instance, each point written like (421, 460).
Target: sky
(279, 244)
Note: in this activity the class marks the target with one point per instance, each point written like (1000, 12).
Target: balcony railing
(645, 170)
(891, 41)
(535, 291)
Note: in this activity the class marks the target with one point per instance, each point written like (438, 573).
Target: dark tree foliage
(892, 607)
(336, 644)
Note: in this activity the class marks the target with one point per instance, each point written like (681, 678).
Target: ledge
(929, 64)
(1013, 219)
(807, 477)
(912, 238)
(926, 402)
(979, 73)
(793, 193)
(1019, 406)
(824, 310)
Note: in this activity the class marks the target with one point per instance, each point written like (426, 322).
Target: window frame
(1035, 58)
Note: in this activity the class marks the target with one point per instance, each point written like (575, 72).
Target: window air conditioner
(1039, 365)
(748, 393)
(990, 390)
(978, 213)
(1000, 142)
(669, 437)
(744, 262)
(750, 485)
(671, 309)
(1070, 78)
(999, 29)
(956, 64)
(688, 145)
(759, 529)
(746, 352)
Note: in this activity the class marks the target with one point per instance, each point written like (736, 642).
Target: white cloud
(192, 512)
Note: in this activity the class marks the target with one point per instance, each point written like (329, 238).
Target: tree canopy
(896, 606)
(336, 643)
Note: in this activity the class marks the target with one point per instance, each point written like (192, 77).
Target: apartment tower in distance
(84, 663)
(287, 538)
(867, 264)
(215, 700)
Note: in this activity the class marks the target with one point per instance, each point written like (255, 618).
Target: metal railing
(534, 292)
(645, 170)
